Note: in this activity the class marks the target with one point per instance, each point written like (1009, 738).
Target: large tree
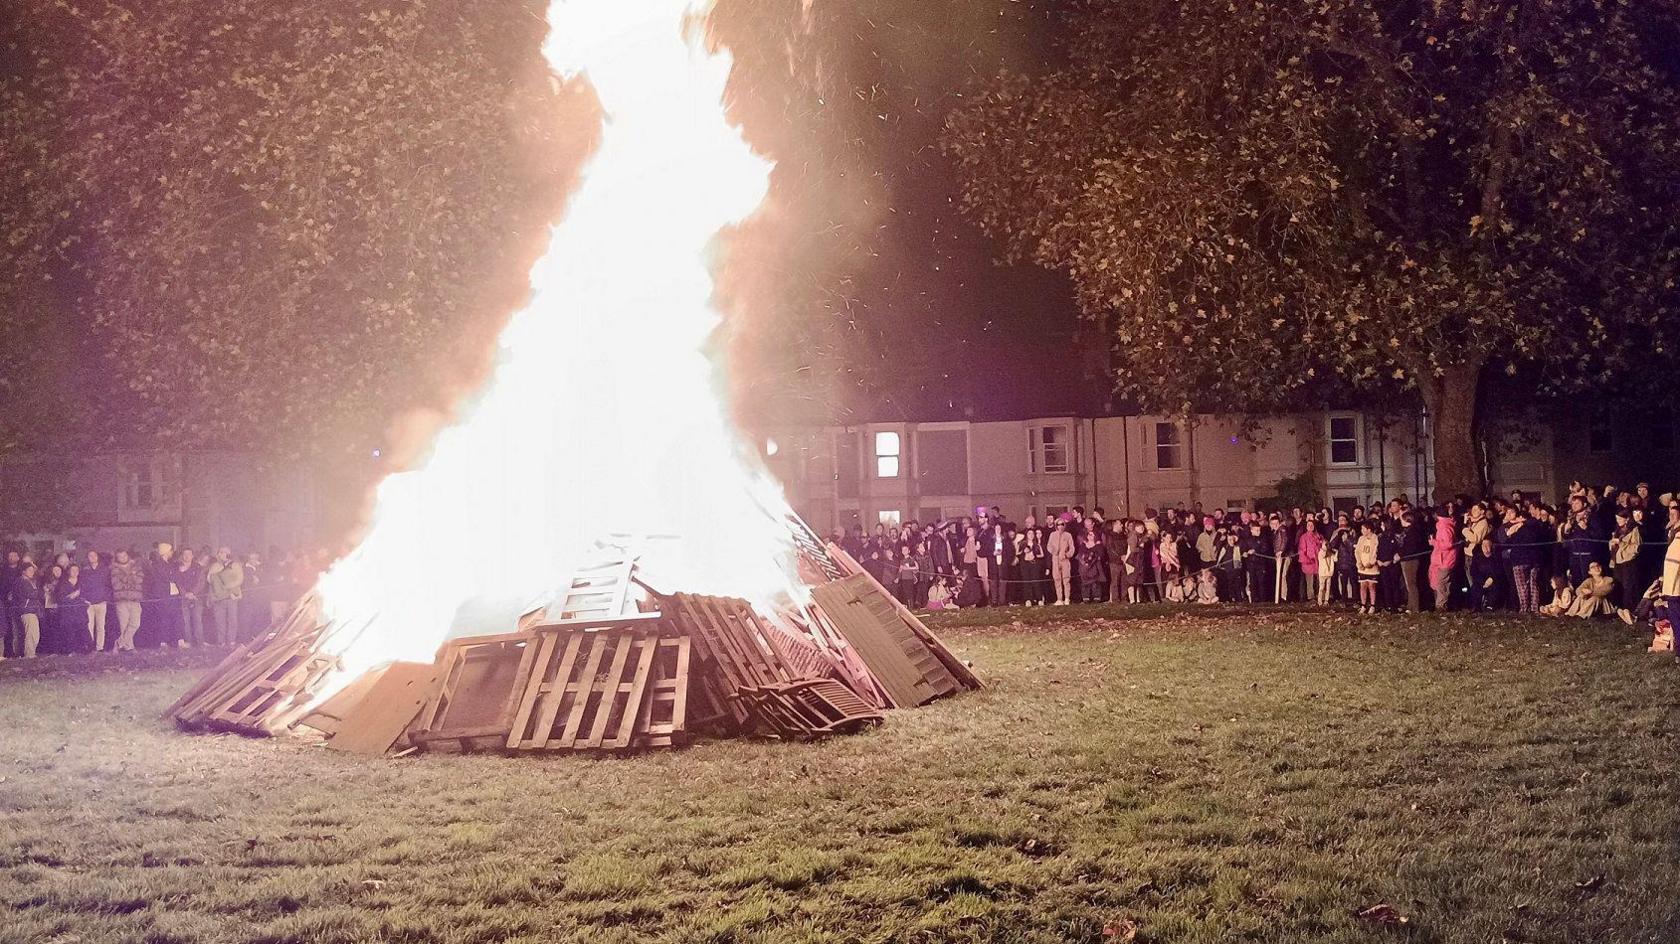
(270, 224)
(1268, 204)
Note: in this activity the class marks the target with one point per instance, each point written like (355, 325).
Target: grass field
(1207, 776)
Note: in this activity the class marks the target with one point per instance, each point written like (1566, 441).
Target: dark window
(1168, 447)
(1047, 449)
(1344, 440)
(1600, 439)
(846, 465)
(942, 462)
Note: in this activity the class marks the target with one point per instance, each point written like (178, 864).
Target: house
(887, 472)
(136, 499)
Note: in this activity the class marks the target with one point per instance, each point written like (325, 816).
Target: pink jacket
(1307, 549)
(1445, 543)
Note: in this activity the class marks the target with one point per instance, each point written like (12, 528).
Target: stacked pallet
(263, 685)
(609, 666)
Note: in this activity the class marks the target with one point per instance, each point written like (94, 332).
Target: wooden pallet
(328, 716)
(730, 634)
(954, 665)
(663, 721)
(810, 708)
(387, 709)
(585, 687)
(476, 694)
(906, 668)
(272, 700)
(596, 591)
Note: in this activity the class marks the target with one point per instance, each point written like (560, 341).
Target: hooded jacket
(128, 581)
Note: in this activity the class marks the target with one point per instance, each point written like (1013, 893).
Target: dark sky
(873, 280)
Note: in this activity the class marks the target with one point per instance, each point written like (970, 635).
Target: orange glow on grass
(604, 414)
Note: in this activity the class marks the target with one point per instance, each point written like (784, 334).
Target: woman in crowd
(1029, 555)
(1391, 586)
(1625, 544)
(1443, 559)
(1093, 568)
(1309, 547)
(1171, 590)
(72, 612)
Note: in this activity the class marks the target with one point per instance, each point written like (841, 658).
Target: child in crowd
(1484, 577)
(939, 596)
(1366, 557)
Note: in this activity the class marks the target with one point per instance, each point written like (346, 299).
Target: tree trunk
(1452, 400)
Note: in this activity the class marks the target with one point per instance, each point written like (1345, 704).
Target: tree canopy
(274, 224)
(1272, 204)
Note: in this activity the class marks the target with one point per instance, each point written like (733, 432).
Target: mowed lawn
(1201, 776)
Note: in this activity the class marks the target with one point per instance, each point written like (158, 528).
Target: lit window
(887, 453)
(1047, 449)
(1344, 440)
(1169, 450)
(890, 518)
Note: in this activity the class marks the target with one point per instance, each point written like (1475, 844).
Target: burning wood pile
(610, 667)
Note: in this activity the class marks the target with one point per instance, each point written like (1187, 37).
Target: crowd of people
(96, 602)
(1602, 552)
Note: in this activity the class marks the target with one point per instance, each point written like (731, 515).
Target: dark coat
(1093, 562)
(96, 584)
(24, 596)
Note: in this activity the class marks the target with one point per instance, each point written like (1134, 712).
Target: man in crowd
(23, 600)
(128, 588)
(8, 625)
(96, 592)
(226, 582)
(163, 597)
(1060, 548)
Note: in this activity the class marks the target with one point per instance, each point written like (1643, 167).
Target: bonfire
(637, 575)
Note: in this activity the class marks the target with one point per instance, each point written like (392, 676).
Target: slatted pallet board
(949, 659)
(596, 591)
(810, 708)
(235, 682)
(729, 632)
(905, 667)
(663, 721)
(477, 693)
(381, 716)
(585, 689)
(272, 701)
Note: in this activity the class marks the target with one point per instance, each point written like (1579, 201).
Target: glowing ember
(604, 415)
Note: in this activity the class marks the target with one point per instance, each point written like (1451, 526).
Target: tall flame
(603, 415)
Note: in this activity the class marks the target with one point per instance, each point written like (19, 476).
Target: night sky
(878, 279)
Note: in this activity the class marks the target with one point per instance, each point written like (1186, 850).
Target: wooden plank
(386, 711)
(679, 698)
(532, 679)
(611, 685)
(634, 701)
(548, 683)
(329, 715)
(872, 642)
(475, 703)
(585, 688)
